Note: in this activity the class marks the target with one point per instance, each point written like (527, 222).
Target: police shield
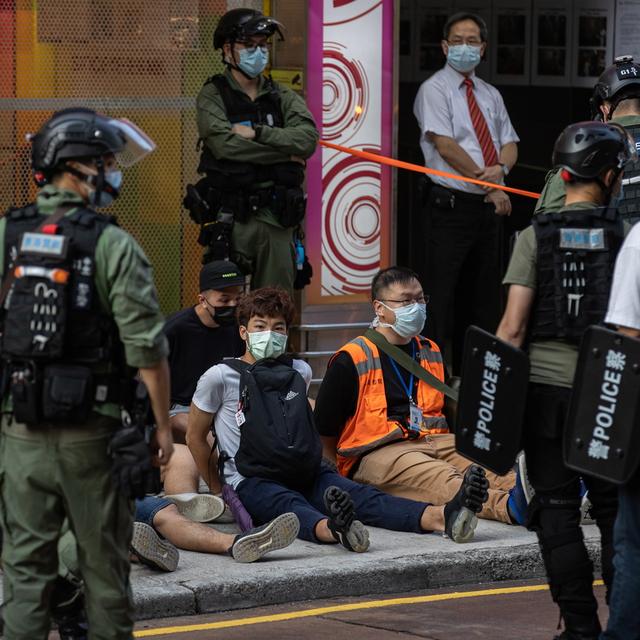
(602, 434)
(492, 400)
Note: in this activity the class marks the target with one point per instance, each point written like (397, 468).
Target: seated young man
(202, 335)
(366, 402)
(328, 504)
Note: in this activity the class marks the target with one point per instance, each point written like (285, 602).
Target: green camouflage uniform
(261, 246)
(52, 473)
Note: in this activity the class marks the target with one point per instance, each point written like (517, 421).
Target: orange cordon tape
(375, 157)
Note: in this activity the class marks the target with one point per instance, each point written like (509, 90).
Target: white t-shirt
(624, 302)
(441, 107)
(218, 392)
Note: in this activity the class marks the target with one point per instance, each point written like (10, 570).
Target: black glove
(304, 275)
(132, 472)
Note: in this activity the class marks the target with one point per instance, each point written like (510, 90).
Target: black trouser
(461, 272)
(554, 512)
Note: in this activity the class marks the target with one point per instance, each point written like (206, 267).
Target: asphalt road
(505, 610)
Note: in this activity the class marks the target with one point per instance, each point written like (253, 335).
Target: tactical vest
(244, 187)
(53, 326)
(629, 208)
(370, 428)
(576, 256)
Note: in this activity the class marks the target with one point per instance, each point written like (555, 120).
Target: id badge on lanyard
(415, 418)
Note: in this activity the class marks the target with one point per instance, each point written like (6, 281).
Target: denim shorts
(147, 508)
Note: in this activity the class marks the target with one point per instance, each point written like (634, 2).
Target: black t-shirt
(338, 394)
(194, 348)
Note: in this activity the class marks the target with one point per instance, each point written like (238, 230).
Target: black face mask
(224, 316)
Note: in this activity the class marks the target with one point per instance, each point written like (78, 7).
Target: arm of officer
(299, 136)
(124, 282)
(521, 275)
(216, 131)
(156, 379)
(198, 428)
(513, 326)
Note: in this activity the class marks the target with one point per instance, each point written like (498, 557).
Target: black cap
(220, 274)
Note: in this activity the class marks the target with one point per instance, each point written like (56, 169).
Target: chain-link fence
(129, 58)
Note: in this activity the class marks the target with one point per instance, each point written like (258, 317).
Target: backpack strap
(237, 365)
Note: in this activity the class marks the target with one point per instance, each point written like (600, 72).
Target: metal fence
(135, 58)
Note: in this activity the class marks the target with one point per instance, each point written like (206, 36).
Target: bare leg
(323, 533)
(180, 475)
(432, 519)
(188, 535)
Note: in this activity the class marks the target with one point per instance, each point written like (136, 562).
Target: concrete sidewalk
(396, 562)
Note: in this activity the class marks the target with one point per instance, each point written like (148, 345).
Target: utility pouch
(25, 389)
(67, 393)
(294, 206)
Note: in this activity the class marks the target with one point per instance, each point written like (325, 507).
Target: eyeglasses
(473, 42)
(406, 303)
(252, 46)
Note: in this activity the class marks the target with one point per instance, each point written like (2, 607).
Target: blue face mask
(253, 62)
(409, 319)
(463, 57)
(113, 183)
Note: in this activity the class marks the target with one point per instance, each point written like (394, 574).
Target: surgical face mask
(463, 57)
(110, 191)
(409, 319)
(253, 61)
(266, 344)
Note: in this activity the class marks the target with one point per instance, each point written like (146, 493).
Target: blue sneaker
(517, 503)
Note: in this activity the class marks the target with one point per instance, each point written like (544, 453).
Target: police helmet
(586, 149)
(618, 82)
(238, 25)
(82, 133)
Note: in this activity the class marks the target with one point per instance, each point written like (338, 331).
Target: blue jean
(266, 499)
(624, 608)
(147, 507)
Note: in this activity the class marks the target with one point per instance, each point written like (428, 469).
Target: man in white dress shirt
(465, 130)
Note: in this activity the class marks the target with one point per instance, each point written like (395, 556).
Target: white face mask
(409, 319)
(266, 344)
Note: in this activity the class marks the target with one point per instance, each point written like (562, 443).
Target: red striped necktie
(480, 126)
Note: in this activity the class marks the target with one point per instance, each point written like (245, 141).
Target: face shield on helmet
(137, 144)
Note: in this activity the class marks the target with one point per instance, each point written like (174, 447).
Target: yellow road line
(341, 608)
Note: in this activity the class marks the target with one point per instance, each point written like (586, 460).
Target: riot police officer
(616, 98)
(79, 315)
(255, 136)
(560, 275)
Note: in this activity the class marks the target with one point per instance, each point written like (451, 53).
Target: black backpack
(278, 438)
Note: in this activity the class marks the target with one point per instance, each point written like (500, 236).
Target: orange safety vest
(369, 427)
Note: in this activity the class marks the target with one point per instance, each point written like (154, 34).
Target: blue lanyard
(408, 389)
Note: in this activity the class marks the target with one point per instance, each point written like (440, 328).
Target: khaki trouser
(430, 470)
(266, 251)
(45, 476)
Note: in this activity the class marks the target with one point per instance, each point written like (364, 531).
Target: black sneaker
(153, 550)
(255, 543)
(460, 518)
(348, 531)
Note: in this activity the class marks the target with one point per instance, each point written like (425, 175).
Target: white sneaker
(199, 507)
(153, 550)
(529, 491)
